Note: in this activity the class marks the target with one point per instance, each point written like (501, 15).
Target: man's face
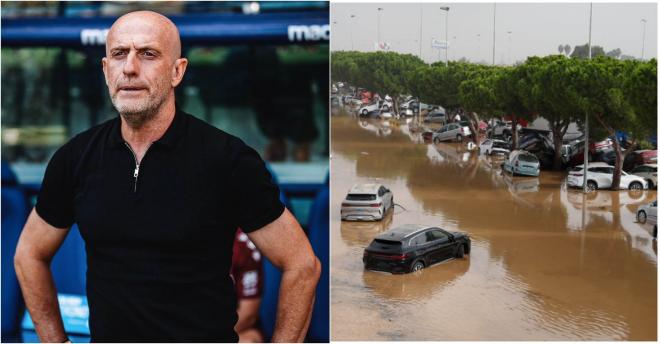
(138, 68)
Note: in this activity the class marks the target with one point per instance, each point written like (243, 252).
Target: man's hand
(37, 245)
(284, 243)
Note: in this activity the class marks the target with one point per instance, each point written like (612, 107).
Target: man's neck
(140, 138)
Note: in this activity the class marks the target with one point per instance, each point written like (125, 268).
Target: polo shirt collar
(169, 139)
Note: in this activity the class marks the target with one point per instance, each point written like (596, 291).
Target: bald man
(157, 196)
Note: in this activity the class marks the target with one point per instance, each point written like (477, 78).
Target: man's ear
(178, 71)
(104, 63)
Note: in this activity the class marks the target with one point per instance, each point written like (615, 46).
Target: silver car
(648, 212)
(450, 132)
(367, 202)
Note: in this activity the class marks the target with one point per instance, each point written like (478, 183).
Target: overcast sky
(536, 28)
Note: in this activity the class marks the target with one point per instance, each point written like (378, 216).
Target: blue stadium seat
(15, 209)
(318, 236)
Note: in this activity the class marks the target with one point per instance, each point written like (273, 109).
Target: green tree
(582, 51)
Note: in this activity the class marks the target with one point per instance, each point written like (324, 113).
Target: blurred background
(258, 70)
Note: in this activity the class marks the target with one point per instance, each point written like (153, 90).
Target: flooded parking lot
(547, 262)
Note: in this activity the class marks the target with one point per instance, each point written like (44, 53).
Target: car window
(436, 235)
(419, 239)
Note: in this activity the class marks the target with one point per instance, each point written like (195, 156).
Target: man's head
(143, 64)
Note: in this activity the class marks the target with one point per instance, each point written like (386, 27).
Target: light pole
(446, 9)
(643, 36)
(378, 44)
(509, 33)
(421, 17)
(586, 120)
(351, 24)
(478, 47)
(494, 12)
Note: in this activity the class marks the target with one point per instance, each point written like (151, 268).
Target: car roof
(401, 232)
(365, 188)
(596, 164)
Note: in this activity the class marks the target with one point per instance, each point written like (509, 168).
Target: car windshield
(388, 242)
(527, 158)
(361, 197)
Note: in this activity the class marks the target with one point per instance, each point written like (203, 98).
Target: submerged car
(648, 212)
(522, 163)
(410, 248)
(600, 175)
(367, 202)
(450, 132)
(492, 146)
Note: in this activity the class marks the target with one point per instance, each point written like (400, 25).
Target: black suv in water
(410, 248)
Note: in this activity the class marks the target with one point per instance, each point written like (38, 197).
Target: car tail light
(376, 205)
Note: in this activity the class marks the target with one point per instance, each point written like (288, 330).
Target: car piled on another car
(493, 146)
(649, 172)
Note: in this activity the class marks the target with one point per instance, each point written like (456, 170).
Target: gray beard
(139, 118)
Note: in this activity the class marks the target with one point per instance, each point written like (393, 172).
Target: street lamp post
(446, 9)
(643, 36)
(351, 24)
(478, 47)
(494, 12)
(421, 17)
(378, 44)
(586, 120)
(509, 33)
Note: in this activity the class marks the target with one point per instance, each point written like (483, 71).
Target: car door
(653, 212)
(441, 244)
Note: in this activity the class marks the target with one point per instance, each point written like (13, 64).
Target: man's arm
(37, 245)
(285, 244)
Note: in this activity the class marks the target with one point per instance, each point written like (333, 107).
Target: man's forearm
(40, 296)
(296, 300)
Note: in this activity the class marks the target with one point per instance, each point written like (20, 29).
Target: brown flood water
(546, 263)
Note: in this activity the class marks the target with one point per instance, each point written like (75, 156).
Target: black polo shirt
(159, 245)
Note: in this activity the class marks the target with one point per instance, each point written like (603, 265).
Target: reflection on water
(547, 262)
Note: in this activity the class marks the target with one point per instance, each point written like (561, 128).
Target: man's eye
(149, 54)
(119, 53)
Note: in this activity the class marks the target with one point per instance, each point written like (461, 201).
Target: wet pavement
(547, 263)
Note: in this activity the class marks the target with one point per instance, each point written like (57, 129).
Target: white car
(451, 131)
(648, 212)
(382, 105)
(649, 172)
(492, 146)
(599, 176)
(367, 202)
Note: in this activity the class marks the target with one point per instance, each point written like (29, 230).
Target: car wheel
(651, 185)
(459, 138)
(655, 231)
(417, 265)
(641, 216)
(436, 140)
(365, 112)
(635, 186)
(460, 252)
(592, 186)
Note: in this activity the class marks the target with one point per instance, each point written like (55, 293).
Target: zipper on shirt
(136, 172)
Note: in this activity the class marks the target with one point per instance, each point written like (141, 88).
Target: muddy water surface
(547, 263)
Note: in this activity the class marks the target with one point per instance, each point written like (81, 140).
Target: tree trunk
(557, 143)
(514, 132)
(473, 121)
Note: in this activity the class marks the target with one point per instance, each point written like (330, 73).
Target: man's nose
(132, 64)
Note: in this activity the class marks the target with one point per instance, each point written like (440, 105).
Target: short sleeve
(258, 197)
(55, 200)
